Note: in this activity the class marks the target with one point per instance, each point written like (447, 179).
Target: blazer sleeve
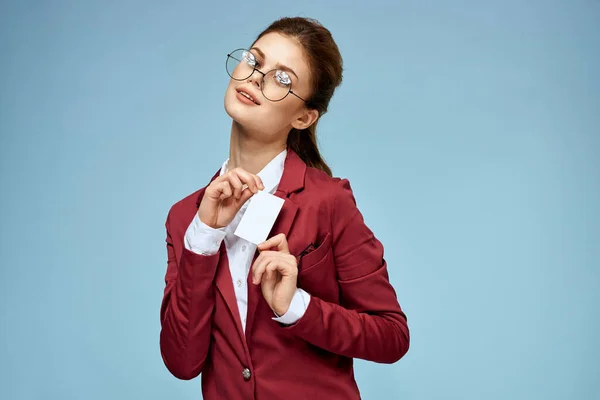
(187, 307)
(370, 323)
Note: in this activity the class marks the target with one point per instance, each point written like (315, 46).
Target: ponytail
(304, 143)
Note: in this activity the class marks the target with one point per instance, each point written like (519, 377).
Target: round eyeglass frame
(229, 55)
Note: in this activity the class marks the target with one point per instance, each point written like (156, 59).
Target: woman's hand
(224, 197)
(277, 273)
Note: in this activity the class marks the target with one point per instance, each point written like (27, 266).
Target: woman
(283, 319)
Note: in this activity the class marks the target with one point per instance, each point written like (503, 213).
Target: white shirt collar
(271, 174)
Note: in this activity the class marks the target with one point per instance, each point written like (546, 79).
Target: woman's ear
(306, 119)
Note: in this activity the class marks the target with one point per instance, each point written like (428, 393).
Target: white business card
(259, 218)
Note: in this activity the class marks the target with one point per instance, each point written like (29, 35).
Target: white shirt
(202, 239)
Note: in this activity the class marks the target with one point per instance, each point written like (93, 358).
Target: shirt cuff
(298, 307)
(203, 239)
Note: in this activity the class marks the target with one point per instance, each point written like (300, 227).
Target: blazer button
(246, 374)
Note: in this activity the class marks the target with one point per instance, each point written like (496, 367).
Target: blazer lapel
(292, 180)
(286, 216)
(223, 279)
(224, 284)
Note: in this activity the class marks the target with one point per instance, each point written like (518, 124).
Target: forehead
(284, 50)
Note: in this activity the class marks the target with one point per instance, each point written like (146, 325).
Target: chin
(240, 113)
(261, 120)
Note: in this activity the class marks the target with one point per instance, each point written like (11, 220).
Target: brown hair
(325, 61)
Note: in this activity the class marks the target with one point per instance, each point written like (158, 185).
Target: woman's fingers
(218, 189)
(270, 265)
(246, 194)
(277, 241)
(259, 182)
(253, 181)
(236, 184)
(258, 268)
(270, 270)
(225, 190)
(271, 261)
(239, 178)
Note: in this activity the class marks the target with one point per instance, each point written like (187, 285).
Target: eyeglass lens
(275, 85)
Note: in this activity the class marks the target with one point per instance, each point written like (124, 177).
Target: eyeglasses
(275, 84)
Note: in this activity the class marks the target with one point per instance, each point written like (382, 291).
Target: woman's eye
(250, 59)
(283, 78)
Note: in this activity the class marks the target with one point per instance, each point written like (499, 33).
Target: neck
(250, 154)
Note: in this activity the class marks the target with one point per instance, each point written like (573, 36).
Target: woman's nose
(255, 78)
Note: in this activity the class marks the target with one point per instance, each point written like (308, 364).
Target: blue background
(470, 132)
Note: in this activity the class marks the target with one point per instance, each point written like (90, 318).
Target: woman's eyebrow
(278, 65)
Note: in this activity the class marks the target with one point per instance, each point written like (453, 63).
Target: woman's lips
(241, 95)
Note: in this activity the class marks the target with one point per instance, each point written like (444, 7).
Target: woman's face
(271, 120)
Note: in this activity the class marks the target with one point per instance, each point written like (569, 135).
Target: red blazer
(353, 311)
